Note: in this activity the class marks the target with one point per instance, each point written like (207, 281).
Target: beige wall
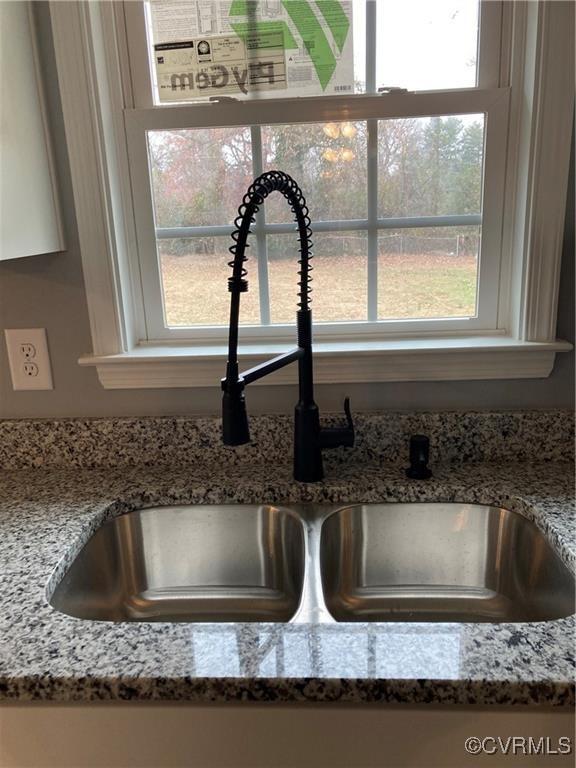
(48, 292)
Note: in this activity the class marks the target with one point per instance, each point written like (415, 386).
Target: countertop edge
(273, 690)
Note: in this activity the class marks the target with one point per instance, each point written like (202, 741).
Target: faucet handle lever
(348, 414)
(332, 437)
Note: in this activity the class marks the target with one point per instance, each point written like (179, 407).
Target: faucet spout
(309, 438)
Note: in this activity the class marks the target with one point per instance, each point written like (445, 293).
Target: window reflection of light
(419, 654)
(215, 653)
(386, 653)
(348, 130)
(392, 651)
(330, 154)
(332, 130)
(298, 654)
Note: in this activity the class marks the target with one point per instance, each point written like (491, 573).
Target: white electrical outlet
(28, 358)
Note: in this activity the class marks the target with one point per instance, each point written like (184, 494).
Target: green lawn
(409, 286)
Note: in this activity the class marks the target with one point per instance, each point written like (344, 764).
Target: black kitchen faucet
(309, 437)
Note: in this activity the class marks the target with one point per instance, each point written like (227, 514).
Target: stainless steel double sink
(318, 563)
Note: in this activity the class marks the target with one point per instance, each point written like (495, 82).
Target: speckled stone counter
(47, 514)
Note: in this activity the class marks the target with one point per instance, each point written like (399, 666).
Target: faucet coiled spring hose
(258, 191)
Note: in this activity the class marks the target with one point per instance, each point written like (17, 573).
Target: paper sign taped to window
(209, 66)
(210, 47)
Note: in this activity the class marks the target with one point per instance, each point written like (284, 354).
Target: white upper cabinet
(29, 210)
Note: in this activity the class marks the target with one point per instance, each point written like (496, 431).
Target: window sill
(476, 357)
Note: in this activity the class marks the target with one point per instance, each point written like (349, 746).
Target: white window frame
(98, 93)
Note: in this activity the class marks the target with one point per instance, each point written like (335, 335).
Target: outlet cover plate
(28, 358)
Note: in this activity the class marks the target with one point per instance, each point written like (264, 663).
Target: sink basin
(440, 562)
(318, 563)
(190, 563)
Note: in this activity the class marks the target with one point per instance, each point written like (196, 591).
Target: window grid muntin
(372, 168)
(259, 232)
(337, 225)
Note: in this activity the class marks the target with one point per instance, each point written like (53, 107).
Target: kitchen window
(402, 238)
(406, 126)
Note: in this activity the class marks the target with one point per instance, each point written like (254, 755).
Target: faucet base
(235, 430)
(307, 452)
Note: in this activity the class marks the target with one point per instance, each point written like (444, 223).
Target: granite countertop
(46, 514)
